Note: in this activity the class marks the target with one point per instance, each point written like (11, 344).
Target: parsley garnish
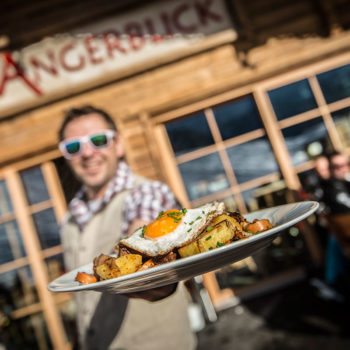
(219, 244)
(143, 231)
(207, 239)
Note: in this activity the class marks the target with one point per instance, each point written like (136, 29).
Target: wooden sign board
(68, 63)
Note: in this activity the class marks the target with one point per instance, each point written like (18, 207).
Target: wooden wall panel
(275, 46)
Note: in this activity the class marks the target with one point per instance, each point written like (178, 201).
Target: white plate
(281, 217)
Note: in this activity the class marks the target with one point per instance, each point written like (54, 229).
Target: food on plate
(174, 234)
(85, 278)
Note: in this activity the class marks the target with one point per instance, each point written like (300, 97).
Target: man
(111, 204)
(337, 200)
(337, 191)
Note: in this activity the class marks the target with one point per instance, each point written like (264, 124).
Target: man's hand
(154, 294)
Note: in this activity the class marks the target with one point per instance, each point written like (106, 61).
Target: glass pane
(230, 203)
(55, 266)
(342, 123)
(189, 133)
(5, 203)
(204, 176)
(11, 244)
(292, 99)
(237, 117)
(47, 228)
(18, 288)
(335, 84)
(252, 159)
(28, 333)
(301, 136)
(34, 185)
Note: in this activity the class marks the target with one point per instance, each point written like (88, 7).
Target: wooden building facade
(236, 111)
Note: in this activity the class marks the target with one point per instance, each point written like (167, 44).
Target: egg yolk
(165, 223)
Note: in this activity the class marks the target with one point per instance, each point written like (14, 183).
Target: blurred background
(225, 100)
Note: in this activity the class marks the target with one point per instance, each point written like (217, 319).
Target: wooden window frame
(273, 129)
(35, 259)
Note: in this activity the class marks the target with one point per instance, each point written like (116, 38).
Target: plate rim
(54, 285)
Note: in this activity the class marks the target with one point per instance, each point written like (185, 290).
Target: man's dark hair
(331, 155)
(75, 113)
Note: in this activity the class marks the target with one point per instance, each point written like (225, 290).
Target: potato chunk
(189, 249)
(115, 267)
(128, 263)
(221, 234)
(229, 218)
(106, 271)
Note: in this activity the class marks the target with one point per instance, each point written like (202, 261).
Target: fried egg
(172, 229)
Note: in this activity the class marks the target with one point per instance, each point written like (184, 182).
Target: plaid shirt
(144, 201)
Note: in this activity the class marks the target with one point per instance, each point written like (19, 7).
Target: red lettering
(176, 19)
(112, 42)
(37, 65)
(204, 13)
(91, 49)
(63, 59)
(10, 64)
(155, 37)
(135, 34)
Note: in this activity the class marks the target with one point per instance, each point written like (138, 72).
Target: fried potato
(221, 231)
(128, 263)
(147, 265)
(221, 234)
(189, 249)
(106, 271)
(229, 218)
(85, 278)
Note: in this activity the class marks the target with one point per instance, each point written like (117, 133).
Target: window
(28, 214)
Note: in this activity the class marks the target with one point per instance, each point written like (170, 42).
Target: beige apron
(138, 324)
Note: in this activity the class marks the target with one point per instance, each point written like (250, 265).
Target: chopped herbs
(143, 231)
(219, 244)
(210, 228)
(160, 214)
(183, 211)
(207, 239)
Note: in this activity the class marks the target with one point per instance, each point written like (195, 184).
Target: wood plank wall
(274, 36)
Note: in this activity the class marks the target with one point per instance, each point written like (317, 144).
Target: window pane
(342, 123)
(55, 266)
(29, 333)
(204, 176)
(19, 287)
(34, 185)
(252, 159)
(189, 133)
(292, 99)
(5, 203)
(299, 137)
(11, 244)
(237, 117)
(230, 203)
(47, 228)
(335, 84)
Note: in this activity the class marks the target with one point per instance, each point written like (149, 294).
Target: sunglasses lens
(73, 147)
(99, 140)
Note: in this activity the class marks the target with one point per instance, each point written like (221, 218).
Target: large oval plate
(281, 217)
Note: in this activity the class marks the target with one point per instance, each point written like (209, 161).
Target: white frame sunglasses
(73, 147)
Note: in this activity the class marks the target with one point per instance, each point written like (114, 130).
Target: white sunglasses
(73, 147)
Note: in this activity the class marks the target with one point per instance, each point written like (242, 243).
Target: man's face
(94, 167)
(340, 166)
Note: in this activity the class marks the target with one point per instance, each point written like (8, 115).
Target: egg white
(192, 224)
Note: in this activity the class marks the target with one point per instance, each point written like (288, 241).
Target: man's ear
(119, 148)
